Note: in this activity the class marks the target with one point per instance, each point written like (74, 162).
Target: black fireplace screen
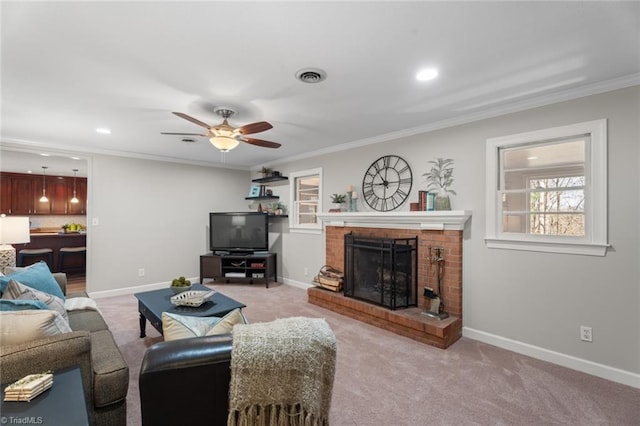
(383, 271)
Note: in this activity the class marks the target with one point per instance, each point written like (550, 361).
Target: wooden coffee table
(151, 305)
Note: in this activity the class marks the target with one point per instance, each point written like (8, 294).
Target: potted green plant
(265, 171)
(337, 200)
(180, 284)
(278, 208)
(439, 179)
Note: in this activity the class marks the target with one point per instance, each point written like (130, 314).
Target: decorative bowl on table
(181, 284)
(191, 298)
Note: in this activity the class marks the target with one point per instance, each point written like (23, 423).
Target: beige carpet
(383, 379)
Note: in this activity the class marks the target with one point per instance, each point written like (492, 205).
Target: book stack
(28, 387)
(426, 201)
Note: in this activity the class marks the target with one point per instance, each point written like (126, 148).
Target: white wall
(531, 298)
(153, 215)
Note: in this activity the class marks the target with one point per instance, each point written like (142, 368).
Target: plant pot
(180, 289)
(442, 202)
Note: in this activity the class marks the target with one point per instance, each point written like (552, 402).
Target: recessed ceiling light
(532, 158)
(103, 131)
(427, 74)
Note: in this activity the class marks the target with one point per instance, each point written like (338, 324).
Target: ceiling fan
(226, 137)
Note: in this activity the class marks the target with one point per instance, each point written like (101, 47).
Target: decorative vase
(443, 202)
(336, 206)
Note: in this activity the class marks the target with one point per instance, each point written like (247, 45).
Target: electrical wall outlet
(586, 334)
(141, 272)
(306, 272)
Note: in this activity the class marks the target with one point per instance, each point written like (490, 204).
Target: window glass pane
(544, 177)
(557, 224)
(557, 201)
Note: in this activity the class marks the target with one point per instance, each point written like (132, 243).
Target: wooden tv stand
(259, 267)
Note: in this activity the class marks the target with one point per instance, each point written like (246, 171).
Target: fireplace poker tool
(436, 306)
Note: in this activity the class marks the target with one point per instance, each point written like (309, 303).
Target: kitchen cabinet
(23, 188)
(21, 195)
(81, 195)
(5, 195)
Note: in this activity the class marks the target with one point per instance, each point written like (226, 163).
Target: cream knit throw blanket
(282, 373)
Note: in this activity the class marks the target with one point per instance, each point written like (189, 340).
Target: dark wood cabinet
(21, 195)
(81, 195)
(5, 195)
(234, 267)
(23, 199)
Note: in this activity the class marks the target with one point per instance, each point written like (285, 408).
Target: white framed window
(546, 190)
(306, 201)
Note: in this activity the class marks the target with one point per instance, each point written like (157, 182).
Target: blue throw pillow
(37, 276)
(21, 305)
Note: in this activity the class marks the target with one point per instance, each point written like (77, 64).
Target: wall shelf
(272, 180)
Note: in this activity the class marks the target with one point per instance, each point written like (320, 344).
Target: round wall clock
(387, 183)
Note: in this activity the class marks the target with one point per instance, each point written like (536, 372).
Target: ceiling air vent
(311, 75)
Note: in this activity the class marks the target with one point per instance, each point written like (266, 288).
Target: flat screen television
(238, 232)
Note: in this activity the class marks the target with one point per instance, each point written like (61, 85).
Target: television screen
(239, 231)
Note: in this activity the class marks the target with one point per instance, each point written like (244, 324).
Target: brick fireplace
(433, 229)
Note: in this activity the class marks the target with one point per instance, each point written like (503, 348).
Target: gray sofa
(105, 374)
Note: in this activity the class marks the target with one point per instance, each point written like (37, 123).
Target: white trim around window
(306, 201)
(594, 242)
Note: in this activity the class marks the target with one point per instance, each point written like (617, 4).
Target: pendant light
(74, 200)
(44, 198)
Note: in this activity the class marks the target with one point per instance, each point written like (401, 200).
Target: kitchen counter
(55, 241)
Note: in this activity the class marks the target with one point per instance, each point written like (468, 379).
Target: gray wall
(536, 299)
(153, 215)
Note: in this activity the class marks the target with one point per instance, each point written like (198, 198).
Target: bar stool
(38, 254)
(72, 251)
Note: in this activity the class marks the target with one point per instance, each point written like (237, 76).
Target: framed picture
(254, 191)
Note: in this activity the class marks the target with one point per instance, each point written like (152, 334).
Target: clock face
(387, 183)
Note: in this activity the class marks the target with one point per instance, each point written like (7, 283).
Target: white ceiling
(70, 67)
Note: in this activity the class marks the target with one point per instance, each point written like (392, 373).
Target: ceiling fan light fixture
(224, 143)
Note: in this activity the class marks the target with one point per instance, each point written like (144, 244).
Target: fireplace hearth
(382, 271)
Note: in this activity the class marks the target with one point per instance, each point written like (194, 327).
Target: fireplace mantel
(432, 220)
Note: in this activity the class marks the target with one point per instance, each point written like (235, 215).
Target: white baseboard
(295, 283)
(595, 369)
(135, 289)
(157, 286)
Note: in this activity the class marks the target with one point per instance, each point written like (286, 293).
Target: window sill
(586, 249)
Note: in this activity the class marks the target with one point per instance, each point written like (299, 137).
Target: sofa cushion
(36, 276)
(87, 319)
(111, 373)
(176, 326)
(17, 291)
(8, 305)
(24, 326)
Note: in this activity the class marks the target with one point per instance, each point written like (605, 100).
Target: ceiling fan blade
(193, 120)
(260, 142)
(183, 134)
(258, 127)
